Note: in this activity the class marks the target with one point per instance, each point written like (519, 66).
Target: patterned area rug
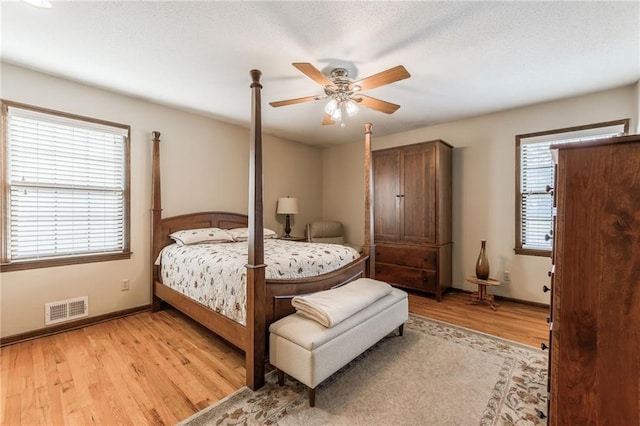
(436, 374)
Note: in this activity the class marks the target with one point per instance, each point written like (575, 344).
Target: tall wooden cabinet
(595, 308)
(412, 216)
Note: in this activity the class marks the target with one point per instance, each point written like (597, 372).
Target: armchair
(327, 231)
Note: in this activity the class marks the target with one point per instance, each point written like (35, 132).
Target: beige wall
(343, 188)
(204, 166)
(483, 182)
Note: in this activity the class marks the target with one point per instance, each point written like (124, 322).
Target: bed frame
(267, 300)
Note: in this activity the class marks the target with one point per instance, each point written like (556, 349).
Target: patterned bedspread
(215, 274)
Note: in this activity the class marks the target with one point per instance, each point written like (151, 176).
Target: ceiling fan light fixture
(336, 115)
(339, 106)
(331, 106)
(351, 107)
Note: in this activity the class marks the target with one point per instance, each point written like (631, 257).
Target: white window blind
(67, 182)
(536, 173)
(536, 167)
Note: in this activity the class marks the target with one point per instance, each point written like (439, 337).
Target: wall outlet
(124, 285)
(507, 275)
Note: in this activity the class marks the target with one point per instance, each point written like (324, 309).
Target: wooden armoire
(594, 374)
(412, 216)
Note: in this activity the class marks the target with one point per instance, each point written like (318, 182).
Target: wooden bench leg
(401, 329)
(312, 397)
(280, 377)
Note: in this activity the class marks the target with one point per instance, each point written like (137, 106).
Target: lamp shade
(287, 205)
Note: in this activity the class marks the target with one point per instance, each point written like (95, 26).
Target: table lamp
(287, 206)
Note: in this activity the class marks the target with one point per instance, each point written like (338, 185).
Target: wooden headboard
(224, 220)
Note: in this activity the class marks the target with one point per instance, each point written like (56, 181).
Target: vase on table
(482, 265)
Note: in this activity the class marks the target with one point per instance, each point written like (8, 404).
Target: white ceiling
(465, 58)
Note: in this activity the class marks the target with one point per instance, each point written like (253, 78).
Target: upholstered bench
(311, 352)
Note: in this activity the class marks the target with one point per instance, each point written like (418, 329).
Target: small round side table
(481, 296)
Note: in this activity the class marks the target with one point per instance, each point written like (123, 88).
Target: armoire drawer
(416, 257)
(419, 279)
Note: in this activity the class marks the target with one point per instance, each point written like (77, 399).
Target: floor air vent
(66, 310)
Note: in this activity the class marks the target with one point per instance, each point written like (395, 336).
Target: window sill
(34, 264)
(533, 252)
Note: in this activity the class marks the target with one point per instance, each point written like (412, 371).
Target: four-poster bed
(266, 299)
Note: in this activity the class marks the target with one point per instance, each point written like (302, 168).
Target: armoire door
(386, 200)
(417, 201)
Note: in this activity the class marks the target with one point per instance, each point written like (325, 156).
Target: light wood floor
(160, 368)
(514, 321)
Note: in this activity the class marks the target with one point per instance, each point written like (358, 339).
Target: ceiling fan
(344, 94)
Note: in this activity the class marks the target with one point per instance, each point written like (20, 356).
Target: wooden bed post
(156, 215)
(255, 352)
(369, 247)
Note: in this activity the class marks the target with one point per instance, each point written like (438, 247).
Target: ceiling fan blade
(313, 73)
(327, 120)
(294, 101)
(385, 77)
(377, 104)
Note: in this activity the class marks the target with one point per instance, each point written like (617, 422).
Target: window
(535, 174)
(65, 188)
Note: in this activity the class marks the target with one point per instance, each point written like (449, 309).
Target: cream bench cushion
(310, 352)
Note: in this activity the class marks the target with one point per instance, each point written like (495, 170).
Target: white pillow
(202, 235)
(242, 234)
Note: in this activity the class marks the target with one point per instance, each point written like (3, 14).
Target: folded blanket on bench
(330, 307)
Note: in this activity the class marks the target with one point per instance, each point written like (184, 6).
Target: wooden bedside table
(481, 296)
